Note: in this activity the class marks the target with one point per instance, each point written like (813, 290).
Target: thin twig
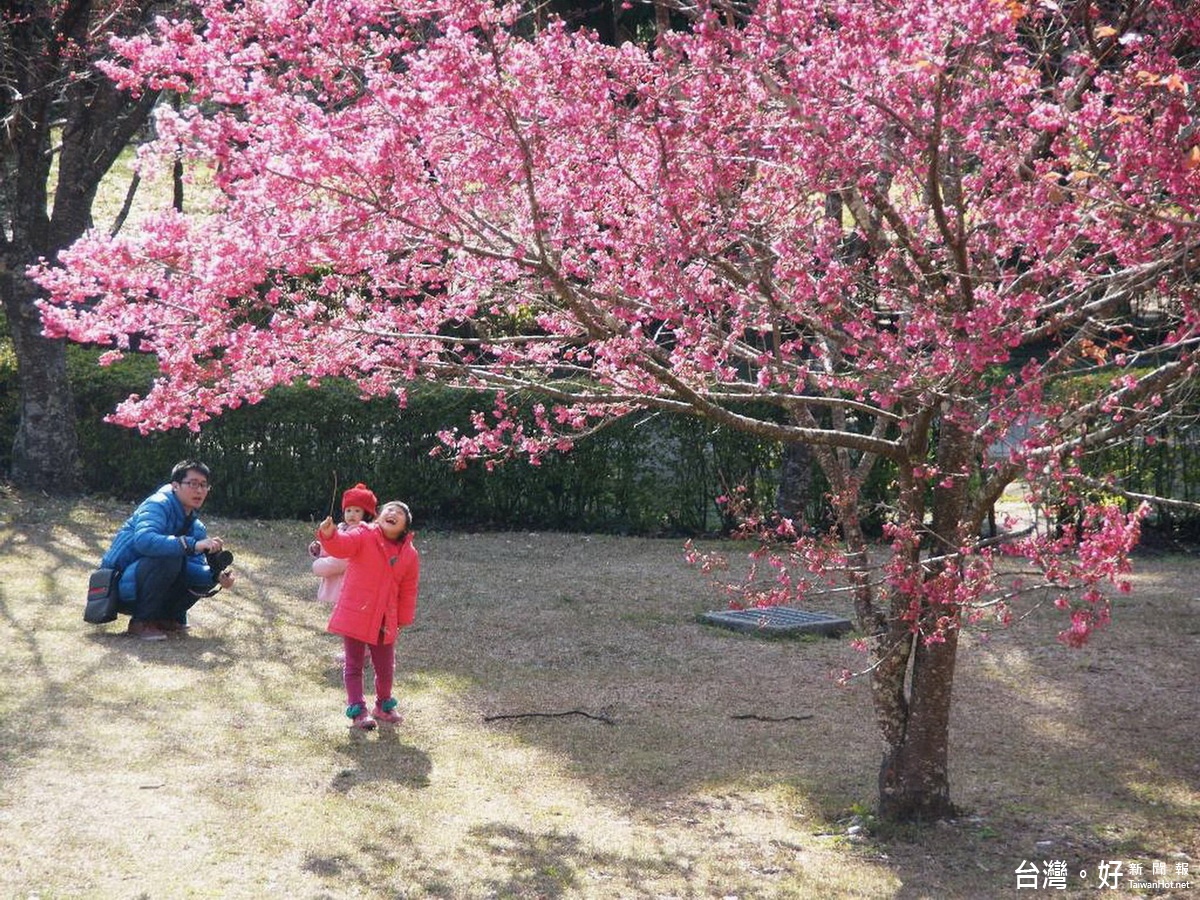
(550, 715)
(758, 718)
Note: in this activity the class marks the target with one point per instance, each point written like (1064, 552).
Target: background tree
(891, 235)
(54, 108)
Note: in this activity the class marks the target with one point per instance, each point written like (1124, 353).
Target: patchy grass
(220, 765)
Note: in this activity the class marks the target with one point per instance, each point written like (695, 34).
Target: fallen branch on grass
(550, 715)
(758, 718)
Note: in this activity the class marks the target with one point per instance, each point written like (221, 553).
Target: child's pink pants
(383, 660)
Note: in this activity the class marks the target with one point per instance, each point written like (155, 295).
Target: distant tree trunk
(177, 167)
(662, 17)
(46, 79)
(45, 454)
(795, 481)
(130, 193)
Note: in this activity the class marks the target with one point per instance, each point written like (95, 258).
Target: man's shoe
(171, 627)
(386, 712)
(360, 718)
(146, 630)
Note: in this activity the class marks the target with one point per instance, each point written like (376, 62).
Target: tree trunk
(914, 779)
(912, 699)
(662, 18)
(911, 681)
(53, 85)
(912, 671)
(795, 481)
(45, 448)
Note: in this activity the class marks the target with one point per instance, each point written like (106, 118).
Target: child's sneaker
(386, 712)
(360, 718)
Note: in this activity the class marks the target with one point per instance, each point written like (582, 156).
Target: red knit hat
(360, 495)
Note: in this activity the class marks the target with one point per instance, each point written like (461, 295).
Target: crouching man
(166, 559)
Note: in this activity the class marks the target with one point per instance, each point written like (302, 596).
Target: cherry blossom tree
(901, 228)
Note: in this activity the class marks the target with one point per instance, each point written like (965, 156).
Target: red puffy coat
(379, 593)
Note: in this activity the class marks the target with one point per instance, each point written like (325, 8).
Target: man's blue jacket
(154, 529)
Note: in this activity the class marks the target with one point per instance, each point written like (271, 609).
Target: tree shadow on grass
(369, 867)
(530, 864)
(547, 865)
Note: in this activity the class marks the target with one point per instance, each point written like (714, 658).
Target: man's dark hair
(188, 465)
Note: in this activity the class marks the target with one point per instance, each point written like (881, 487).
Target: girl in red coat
(378, 598)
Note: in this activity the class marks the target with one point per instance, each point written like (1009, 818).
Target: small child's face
(352, 515)
(392, 522)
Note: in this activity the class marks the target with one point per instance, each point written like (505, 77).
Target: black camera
(218, 562)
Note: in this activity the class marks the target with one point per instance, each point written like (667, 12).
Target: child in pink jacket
(377, 599)
(358, 507)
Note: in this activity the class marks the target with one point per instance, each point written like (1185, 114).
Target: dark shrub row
(281, 457)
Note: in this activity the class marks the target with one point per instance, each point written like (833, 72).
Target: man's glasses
(197, 485)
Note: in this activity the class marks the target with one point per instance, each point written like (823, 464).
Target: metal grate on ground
(778, 620)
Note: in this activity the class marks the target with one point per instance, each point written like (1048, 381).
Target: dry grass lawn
(220, 765)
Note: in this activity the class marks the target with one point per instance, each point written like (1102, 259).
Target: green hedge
(279, 459)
